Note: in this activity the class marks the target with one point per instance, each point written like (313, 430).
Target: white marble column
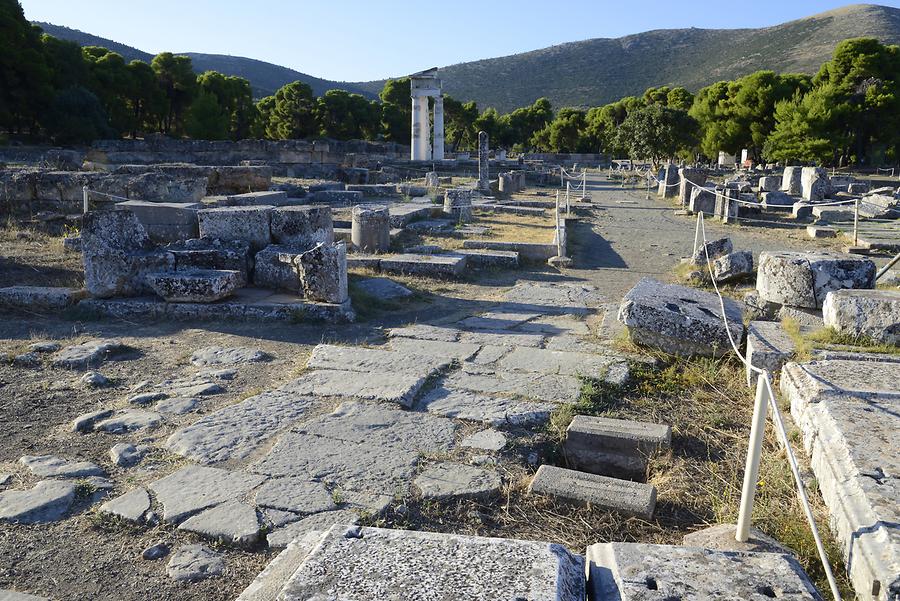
(425, 129)
(438, 153)
(417, 150)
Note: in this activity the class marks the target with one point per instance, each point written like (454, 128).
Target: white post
(438, 150)
(584, 185)
(86, 199)
(856, 222)
(697, 233)
(559, 244)
(568, 190)
(562, 176)
(754, 451)
(416, 142)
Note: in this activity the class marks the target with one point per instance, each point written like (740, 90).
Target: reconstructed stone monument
(423, 85)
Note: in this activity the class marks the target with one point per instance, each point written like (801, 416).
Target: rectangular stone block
(680, 320)
(304, 226)
(614, 447)
(769, 347)
(642, 572)
(274, 268)
(212, 254)
(250, 224)
(848, 413)
(165, 221)
(626, 497)
(369, 564)
(490, 259)
(266, 198)
(424, 265)
(703, 200)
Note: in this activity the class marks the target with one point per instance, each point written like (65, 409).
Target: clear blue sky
(355, 40)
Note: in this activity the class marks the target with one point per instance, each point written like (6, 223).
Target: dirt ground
(623, 238)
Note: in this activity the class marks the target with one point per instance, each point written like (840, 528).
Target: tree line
(849, 112)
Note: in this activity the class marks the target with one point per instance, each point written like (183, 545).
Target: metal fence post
(856, 222)
(754, 451)
(85, 199)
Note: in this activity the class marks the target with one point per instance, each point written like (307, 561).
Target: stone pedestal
(438, 144)
(458, 204)
(667, 187)
(484, 178)
(790, 181)
(696, 176)
(371, 228)
(323, 273)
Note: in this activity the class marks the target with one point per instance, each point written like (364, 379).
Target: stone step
(531, 251)
(423, 265)
(623, 496)
(516, 210)
(848, 413)
(271, 198)
(195, 286)
(643, 572)
(369, 564)
(614, 447)
(482, 258)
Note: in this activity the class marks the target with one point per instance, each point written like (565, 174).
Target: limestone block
(371, 228)
(858, 187)
(870, 313)
(802, 279)
(814, 184)
(105, 231)
(424, 265)
(712, 250)
(776, 199)
(37, 297)
(801, 210)
(833, 213)
(165, 221)
(614, 447)
(769, 183)
(688, 178)
(367, 563)
(197, 253)
(879, 206)
(769, 347)
(200, 286)
(323, 273)
(643, 572)
(116, 273)
(458, 204)
(703, 200)
(790, 181)
(668, 185)
(48, 501)
(249, 224)
(610, 494)
(267, 197)
(733, 266)
(680, 320)
(432, 180)
(303, 226)
(275, 268)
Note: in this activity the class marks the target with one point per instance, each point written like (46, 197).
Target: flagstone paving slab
(389, 387)
(47, 501)
(542, 387)
(231, 522)
(480, 407)
(448, 480)
(435, 348)
(358, 359)
(194, 488)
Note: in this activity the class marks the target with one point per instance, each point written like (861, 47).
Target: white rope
(779, 425)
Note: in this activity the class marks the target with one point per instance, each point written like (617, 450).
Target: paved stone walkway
(348, 435)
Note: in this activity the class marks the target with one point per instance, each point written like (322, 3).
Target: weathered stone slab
(125, 454)
(323, 273)
(191, 563)
(557, 388)
(873, 314)
(355, 466)
(129, 420)
(489, 259)
(426, 332)
(274, 268)
(217, 355)
(357, 359)
(366, 563)
(848, 413)
(733, 266)
(362, 423)
(556, 325)
(194, 488)
(130, 507)
(231, 522)
(502, 338)
(614, 447)
(165, 221)
(383, 288)
(201, 286)
(6, 595)
(496, 320)
(176, 406)
(814, 183)
(296, 495)
(315, 525)
(489, 354)
(48, 501)
(557, 297)
(642, 572)
(790, 180)
(680, 320)
(249, 224)
(50, 466)
(493, 410)
(235, 431)
(400, 388)
(196, 253)
(623, 496)
(38, 297)
(93, 353)
(269, 582)
(802, 279)
(263, 197)
(424, 265)
(486, 440)
(446, 480)
(459, 351)
(610, 368)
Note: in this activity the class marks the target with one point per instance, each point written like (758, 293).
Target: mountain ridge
(600, 70)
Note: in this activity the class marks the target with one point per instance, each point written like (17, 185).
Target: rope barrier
(751, 472)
